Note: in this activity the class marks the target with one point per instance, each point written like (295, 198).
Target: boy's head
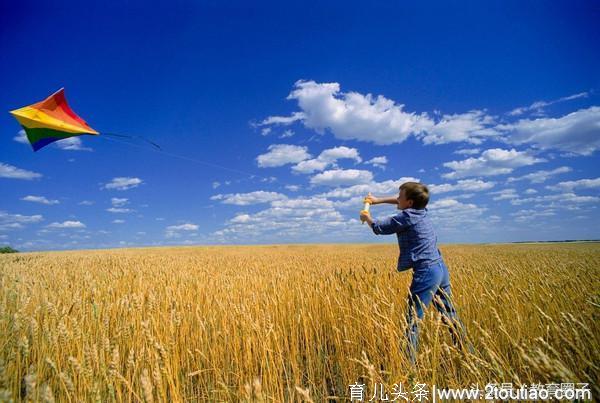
(413, 195)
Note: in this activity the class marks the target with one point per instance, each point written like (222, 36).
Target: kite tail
(124, 136)
(115, 137)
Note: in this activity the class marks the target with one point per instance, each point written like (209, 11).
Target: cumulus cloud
(471, 127)
(282, 154)
(379, 162)
(67, 224)
(341, 177)
(569, 186)
(541, 176)
(464, 185)
(491, 162)
(351, 116)
(377, 119)
(244, 199)
(576, 133)
(12, 172)
(327, 158)
(39, 199)
(123, 183)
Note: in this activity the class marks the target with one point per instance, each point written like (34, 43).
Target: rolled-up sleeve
(390, 225)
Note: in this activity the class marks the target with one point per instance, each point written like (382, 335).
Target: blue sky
(276, 119)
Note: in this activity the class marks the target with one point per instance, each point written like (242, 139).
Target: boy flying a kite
(419, 251)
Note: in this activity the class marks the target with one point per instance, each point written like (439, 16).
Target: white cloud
(244, 199)
(492, 162)
(265, 131)
(538, 106)
(310, 166)
(21, 137)
(341, 177)
(287, 133)
(569, 186)
(72, 144)
(67, 224)
(530, 191)
(123, 183)
(119, 210)
(327, 158)
(282, 154)
(174, 231)
(118, 202)
(292, 188)
(468, 151)
(541, 176)
(118, 221)
(532, 214)
(16, 221)
(12, 172)
(283, 120)
(385, 188)
(286, 220)
(377, 119)
(472, 127)
(505, 194)
(39, 199)
(379, 162)
(576, 133)
(86, 203)
(216, 184)
(183, 227)
(352, 116)
(464, 185)
(451, 213)
(563, 199)
(240, 219)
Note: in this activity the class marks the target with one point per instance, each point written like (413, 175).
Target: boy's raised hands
(371, 199)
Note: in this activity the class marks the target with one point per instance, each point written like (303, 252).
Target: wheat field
(287, 323)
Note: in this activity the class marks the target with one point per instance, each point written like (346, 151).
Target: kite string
(158, 149)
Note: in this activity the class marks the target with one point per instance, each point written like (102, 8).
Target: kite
(51, 120)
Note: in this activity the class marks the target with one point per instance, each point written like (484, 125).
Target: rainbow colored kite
(51, 120)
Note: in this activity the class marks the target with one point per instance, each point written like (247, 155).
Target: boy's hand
(365, 216)
(371, 199)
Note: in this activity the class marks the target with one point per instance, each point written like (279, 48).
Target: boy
(418, 250)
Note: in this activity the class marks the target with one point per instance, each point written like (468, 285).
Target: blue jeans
(432, 284)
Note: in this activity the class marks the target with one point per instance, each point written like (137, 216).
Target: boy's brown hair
(417, 192)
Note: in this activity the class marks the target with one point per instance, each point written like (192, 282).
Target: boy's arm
(381, 200)
(387, 226)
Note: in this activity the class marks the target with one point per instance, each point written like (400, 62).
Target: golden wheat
(286, 323)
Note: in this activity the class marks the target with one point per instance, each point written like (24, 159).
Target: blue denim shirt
(416, 238)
